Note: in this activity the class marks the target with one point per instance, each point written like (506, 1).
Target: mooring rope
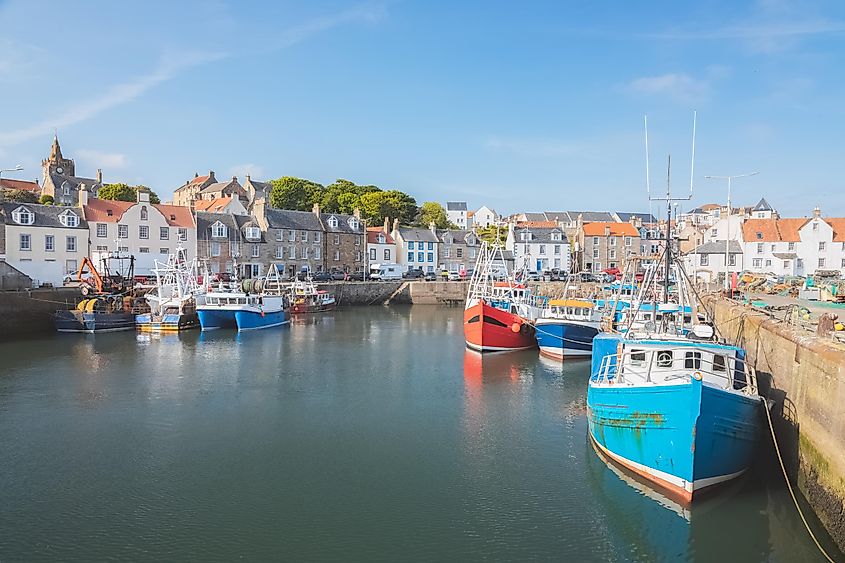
(789, 486)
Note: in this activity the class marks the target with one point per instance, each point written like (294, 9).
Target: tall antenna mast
(647, 177)
(692, 160)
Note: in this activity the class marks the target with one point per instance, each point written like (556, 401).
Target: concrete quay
(31, 311)
(804, 375)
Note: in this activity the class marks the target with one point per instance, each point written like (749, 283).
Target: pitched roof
(644, 217)
(417, 234)
(535, 216)
(292, 220)
(538, 224)
(592, 216)
(216, 187)
(73, 181)
(459, 235)
(176, 215)
(343, 225)
(24, 185)
(213, 205)
(456, 206)
(45, 215)
(205, 220)
(772, 230)
(105, 210)
(718, 247)
(838, 224)
(762, 205)
(374, 232)
(597, 229)
(198, 180)
(543, 234)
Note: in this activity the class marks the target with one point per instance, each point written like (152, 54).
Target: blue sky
(520, 106)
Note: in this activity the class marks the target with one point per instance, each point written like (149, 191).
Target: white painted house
(456, 212)
(416, 248)
(145, 230)
(381, 248)
(45, 242)
(538, 248)
(484, 217)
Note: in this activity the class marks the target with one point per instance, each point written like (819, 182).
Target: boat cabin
(572, 309)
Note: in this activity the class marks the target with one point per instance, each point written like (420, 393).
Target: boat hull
(558, 338)
(213, 319)
(93, 322)
(256, 320)
(682, 438)
(488, 329)
(167, 323)
(303, 308)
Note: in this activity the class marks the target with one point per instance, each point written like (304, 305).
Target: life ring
(697, 376)
(516, 327)
(84, 289)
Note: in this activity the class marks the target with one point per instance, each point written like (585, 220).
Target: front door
(539, 266)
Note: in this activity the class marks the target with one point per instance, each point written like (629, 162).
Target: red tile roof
(105, 210)
(213, 205)
(20, 185)
(372, 235)
(538, 224)
(616, 229)
(772, 230)
(176, 215)
(198, 180)
(838, 224)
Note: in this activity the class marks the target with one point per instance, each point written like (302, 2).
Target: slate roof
(249, 221)
(417, 234)
(718, 247)
(456, 206)
(342, 224)
(292, 220)
(73, 181)
(218, 187)
(205, 220)
(45, 215)
(541, 235)
(535, 216)
(459, 235)
(644, 217)
(762, 205)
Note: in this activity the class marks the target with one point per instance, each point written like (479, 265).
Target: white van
(385, 272)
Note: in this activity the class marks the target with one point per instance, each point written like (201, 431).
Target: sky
(521, 106)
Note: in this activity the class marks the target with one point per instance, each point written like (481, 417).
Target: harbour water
(364, 434)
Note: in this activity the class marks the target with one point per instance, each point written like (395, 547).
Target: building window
(786, 264)
(791, 246)
(70, 244)
(431, 246)
(557, 249)
(316, 253)
(219, 230)
(759, 248)
(773, 248)
(768, 263)
(333, 222)
(372, 254)
(815, 226)
(542, 249)
(144, 213)
(337, 255)
(612, 253)
(595, 253)
(291, 236)
(595, 240)
(49, 243)
(102, 248)
(337, 239)
(358, 241)
(410, 257)
(799, 263)
(123, 231)
(292, 252)
(387, 256)
(163, 250)
(252, 233)
(143, 232)
(420, 256)
(612, 241)
(279, 254)
(821, 262)
(163, 233)
(144, 250)
(732, 260)
(821, 247)
(256, 251)
(704, 259)
(431, 257)
(757, 262)
(102, 230)
(183, 233)
(447, 253)
(353, 223)
(234, 249)
(459, 252)
(317, 237)
(279, 236)
(303, 236)
(69, 219)
(410, 245)
(628, 241)
(358, 256)
(23, 216)
(25, 242)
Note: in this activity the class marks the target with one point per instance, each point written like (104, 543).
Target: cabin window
(664, 359)
(638, 358)
(692, 360)
(719, 363)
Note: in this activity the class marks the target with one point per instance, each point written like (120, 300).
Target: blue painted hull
(562, 339)
(251, 320)
(215, 319)
(683, 438)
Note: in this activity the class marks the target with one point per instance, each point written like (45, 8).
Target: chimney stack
(316, 209)
(817, 212)
(83, 195)
(99, 175)
(395, 225)
(386, 224)
(356, 213)
(607, 230)
(432, 227)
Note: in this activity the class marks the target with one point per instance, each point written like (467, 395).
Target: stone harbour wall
(805, 377)
(31, 311)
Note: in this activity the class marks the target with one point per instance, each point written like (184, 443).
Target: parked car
(322, 277)
(454, 276)
(224, 277)
(356, 276)
(413, 274)
(338, 275)
(532, 276)
(639, 276)
(586, 277)
(430, 276)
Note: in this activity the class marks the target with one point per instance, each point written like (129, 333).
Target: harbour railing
(660, 366)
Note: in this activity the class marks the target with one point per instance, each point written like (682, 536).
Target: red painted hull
(488, 329)
(302, 308)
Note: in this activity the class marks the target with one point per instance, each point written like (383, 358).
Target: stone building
(60, 181)
(256, 191)
(345, 241)
(605, 245)
(458, 250)
(189, 192)
(222, 240)
(229, 188)
(295, 238)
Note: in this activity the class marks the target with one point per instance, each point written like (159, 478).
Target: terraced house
(345, 241)
(458, 250)
(539, 246)
(605, 245)
(417, 248)
(231, 243)
(296, 239)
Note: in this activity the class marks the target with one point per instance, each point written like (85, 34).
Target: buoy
(838, 326)
(515, 327)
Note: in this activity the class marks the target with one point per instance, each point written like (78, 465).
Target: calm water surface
(365, 434)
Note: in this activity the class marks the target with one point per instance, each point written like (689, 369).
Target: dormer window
(23, 216)
(69, 219)
(66, 189)
(219, 230)
(354, 223)
(333, 222)
(381, 239)
(109, 212)
(172, 216)
(759, 235)
(144, 213)
(252, 233)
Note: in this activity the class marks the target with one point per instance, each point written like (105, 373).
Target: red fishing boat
(499, 315)
(306, 298)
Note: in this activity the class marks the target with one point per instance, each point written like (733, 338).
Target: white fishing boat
(256, 304)
(173, 301)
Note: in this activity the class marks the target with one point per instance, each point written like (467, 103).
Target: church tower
(57, 164)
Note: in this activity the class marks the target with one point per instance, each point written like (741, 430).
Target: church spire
(56, 150)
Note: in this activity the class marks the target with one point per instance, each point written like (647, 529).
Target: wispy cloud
(371, 12)
(100, 159)
(677, 86)
(255, 171)
(169, 67)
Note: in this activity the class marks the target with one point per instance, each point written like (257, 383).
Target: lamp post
(15, 169)
(730, 212)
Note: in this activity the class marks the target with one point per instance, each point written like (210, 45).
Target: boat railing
(638, 367)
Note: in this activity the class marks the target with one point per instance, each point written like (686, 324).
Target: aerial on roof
(615, 229)
(456, 206)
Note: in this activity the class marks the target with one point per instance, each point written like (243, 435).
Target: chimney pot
(316, 209)
(99, 175)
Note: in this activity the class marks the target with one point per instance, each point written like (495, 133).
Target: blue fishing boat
(255, 304)
(682, 412)
(567, 328)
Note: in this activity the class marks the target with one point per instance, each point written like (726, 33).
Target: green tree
(347, 202)
(295, 193)
(20, 196)
(125, 192)
(492, 234)
(433, 212)
(46, 199)
(393, 204)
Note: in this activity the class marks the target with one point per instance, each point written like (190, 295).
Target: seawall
(805, 375)
(31, 311)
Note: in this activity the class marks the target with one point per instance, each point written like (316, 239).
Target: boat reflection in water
(729, 526)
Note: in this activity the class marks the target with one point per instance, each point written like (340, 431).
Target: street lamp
(730, 210)
(17, 168)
